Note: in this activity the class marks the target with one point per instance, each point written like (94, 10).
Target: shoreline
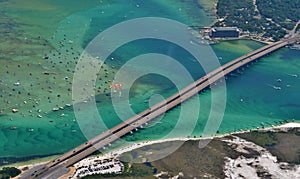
(118, 151)
(242, 38)
(137, 145)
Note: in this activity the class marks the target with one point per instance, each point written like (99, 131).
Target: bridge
(99, 142)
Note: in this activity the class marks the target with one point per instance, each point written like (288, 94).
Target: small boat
(55, 109)
(277, 87)
(293, 75)
(17, 84)
(15, 110)
(68, 105)
(12, 127)
(30, 130)
(49, 73)
(39, 116)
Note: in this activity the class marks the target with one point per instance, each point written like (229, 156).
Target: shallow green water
(251, 98)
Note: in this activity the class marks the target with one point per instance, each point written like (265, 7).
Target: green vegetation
(272, 18)
(240, 14)
(284, 12)
(189, 159)
(207, 162)
(8, 172)
(284, 145)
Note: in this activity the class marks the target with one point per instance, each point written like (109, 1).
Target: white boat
(277, 87)
(55, 109)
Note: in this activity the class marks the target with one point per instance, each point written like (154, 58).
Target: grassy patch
(284, 145)
(206, 162)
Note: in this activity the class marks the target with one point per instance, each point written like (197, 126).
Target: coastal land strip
(266, 152)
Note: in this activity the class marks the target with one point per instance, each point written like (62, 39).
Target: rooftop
(225, 29)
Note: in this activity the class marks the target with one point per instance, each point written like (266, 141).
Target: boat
(39, 116)
(293, 75)
(12, 127)
(17, 84)
(277, 87)
(30, 130)
(55, 109)
(49, 73)
(15, 110)
(295, 47)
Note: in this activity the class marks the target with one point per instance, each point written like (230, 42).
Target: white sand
(248, 167)
(289, 125)
(146, 143)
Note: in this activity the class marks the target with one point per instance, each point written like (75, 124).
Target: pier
(69, 158)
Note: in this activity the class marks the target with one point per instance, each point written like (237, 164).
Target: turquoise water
(251, 98)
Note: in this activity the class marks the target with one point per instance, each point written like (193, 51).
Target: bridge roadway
(154, 111)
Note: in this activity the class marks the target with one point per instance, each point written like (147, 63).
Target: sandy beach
(122, 150)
